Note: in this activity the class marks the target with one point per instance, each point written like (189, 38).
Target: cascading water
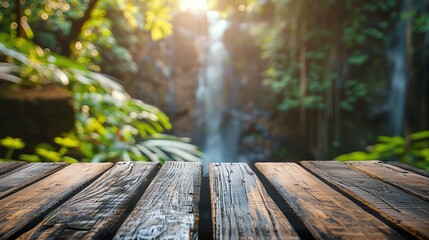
(398, 89)
(218, 143)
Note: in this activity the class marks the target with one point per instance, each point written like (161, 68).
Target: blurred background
(255, 80)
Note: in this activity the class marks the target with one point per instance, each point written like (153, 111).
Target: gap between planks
(26, 175)
(6, 167)
(97, 211)
(241, 207)
(169, 207)
(409, 168)
(407, 181)
(25, 208)
(404, 210)
(326, 213)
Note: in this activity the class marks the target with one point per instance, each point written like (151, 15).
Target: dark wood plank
(406, 211)
(326, 213)
(27, 205)
(241, 207)
(409, 168)
(26, 175)
(407, 181)
(169, 207)
(93, 212)
(9, 166)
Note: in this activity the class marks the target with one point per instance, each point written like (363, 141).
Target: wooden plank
(406, 211)
(409, 168)
(26, 175)
(9, 166)
(407, 181)
(169, 207)
(93, 213)
(326, 213)
(241, 207)
(28, 205)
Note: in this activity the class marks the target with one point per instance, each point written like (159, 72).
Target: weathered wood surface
(406, 211)
(25, 206)
(325, 212)
(169, 207)
(26, 175)
(241, 207)
(407, 181)
(116, 202)
(409, 168)
(93, 213)
(9, 166)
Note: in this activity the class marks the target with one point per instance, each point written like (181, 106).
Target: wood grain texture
(169, 207)
(409, 168)
(26, 175)
(93, 212)
(9, 166)
(241, 207)
(326, 213)
(21, 208)
(406, 211)
(407, 181)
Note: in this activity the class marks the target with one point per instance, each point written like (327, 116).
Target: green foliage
(109, 124)
(115, 125)
(105, 38)
(312, 49)
(413, 150)
(44, 152)
(327, 59)
(354, 90)
(157, 19)
(306, 49)
(11, 144)
(47, 153)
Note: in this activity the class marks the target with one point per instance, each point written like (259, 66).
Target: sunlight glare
(193, 5)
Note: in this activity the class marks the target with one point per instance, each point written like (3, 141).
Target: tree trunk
(18, 18)
(76, 28)
(303, 86)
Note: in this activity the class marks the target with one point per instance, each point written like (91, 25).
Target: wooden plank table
(136, 200)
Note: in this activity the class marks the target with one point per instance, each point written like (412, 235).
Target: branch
(76, 28)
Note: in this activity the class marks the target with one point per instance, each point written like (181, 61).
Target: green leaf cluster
(413, 150)
(43, 152)
(11, 144)
(107, 38)
(110, 125)
(309, 45)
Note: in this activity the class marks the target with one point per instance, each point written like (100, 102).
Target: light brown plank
(406, 211)
(241, 207)
(23, 207)
(326, 213)
(93, 212)
(407, 181)
(26, 175)
(9, 166)
(409, 168)
(169, 207)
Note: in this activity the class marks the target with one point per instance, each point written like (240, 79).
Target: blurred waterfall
(218, 136)
(399, 75)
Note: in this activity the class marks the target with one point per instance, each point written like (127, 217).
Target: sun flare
(193, 5)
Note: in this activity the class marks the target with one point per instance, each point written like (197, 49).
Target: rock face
(183, 117)
(35, 114)
(168, 71)
(189, 30)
